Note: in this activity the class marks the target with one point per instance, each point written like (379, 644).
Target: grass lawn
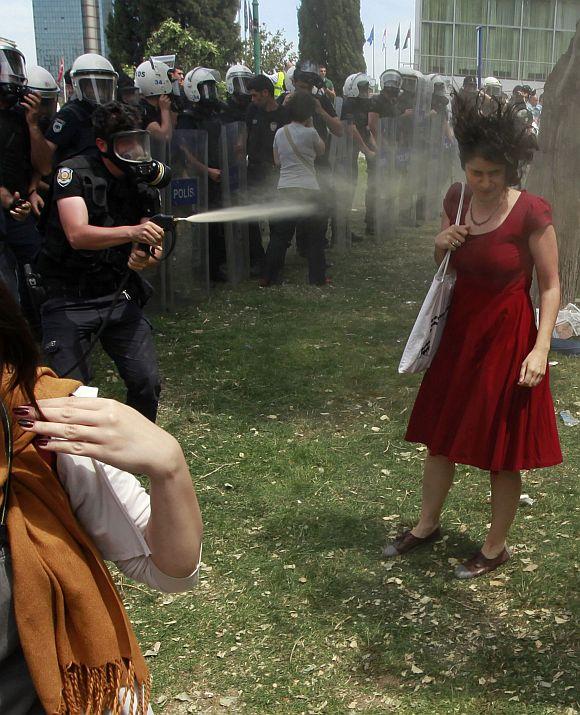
(291, 413)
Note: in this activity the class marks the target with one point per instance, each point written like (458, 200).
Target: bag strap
(7, 428)
(457, 222)
(296, 151)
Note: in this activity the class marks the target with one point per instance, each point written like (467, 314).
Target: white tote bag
(428, 329)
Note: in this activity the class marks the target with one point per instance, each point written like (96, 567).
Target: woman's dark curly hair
(494, 131)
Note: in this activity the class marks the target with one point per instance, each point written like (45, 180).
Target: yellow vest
(279, 85)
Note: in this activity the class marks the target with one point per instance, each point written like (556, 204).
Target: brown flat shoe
(407, 542)
(479, 565)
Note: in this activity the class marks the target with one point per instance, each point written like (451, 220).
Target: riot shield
(343, 153)
(187, 269)
(413, 153)
(436, 165)
(386, 178)
(234, 193)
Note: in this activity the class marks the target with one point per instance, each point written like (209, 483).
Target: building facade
(69, 28)
(522, 39)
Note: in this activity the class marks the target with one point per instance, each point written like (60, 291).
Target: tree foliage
(275, 50)
(134, 21)
(192, 51)
(331, 33)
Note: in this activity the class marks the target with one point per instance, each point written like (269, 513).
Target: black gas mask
(12, 76)
(130, 151)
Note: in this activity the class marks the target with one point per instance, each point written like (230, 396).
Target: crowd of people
(81, 220)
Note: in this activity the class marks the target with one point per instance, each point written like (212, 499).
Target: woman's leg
(438, 476)
(506, 488)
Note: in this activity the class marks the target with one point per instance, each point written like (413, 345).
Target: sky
(276, 14)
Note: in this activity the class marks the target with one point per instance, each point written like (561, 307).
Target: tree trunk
(555, 173)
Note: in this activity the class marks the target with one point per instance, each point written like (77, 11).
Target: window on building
(539, 13)
(505, 12)
(568, 14)
(536, 54)
(561, 44)
(503, 50)
(440, 10)
(437, 39)
(474, 11)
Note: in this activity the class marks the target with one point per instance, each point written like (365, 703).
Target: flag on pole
(60, 70)
(385, 39)
(407, 39)
(371, 37)
(398, 40)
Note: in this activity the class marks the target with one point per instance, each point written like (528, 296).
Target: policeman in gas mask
(94, 82)
(91, 258)
(239, 97)
(205, 113)
(24, 157)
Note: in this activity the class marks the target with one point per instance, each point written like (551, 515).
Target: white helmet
(354, 81)
(492, 86)
(204, 76)
(152, 78)
(94, 79)
(41, 81)
(237, 79)
(289, 79)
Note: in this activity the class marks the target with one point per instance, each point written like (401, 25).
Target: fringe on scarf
(93, 691)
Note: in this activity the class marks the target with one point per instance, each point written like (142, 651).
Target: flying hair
(488, 128)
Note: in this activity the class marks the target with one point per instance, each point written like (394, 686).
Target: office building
(69, 28)
(522, 39)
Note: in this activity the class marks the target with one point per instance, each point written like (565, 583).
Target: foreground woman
(66, 644)
(485, 400)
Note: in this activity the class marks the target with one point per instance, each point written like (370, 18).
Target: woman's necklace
(488, 219)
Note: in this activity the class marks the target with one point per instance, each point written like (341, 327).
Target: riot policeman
(94, 82)
(154, 83)
(239, 97)
(90, 260)
(24, 157)
(44, 84)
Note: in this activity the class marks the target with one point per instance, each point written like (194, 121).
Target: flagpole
(411, 51)
(374, 76)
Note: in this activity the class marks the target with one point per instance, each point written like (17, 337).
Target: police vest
(80, 116)
(93, 273)
(279, 87)
(15, 165)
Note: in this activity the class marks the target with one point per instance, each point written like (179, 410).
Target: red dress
(470, 408)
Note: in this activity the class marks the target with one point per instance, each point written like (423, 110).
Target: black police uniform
(80, 284)
(263, 175)
(72, 131)
(356, 110)
(235, 110)
(21, 241)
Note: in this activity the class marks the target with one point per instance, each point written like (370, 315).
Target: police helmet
(94, 79)
(41, 81)
(12, 71)
(152, 78)
(355, 82)
(391, 79)
(237, 79)
(201, 84)
(492, 86)
(308, 71)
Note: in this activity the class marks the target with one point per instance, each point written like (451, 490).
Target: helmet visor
(12, 67)
(97, 89)
(133, 147)
(391, 79)
(208, 91)
(129, 95)
(240, 85)
(409, 84)
(494, 90)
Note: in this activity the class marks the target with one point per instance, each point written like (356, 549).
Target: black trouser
(310, 233)
(371, 194)
(262, 182)
(69, 325)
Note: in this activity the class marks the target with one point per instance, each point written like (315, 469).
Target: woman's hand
(533, 368)
(451, 238)
(105, 430)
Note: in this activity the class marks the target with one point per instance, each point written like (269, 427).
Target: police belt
(89, 290)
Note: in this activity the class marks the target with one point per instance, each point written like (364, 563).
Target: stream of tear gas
(253, 212)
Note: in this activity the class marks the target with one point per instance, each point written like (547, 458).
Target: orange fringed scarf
(75, 635)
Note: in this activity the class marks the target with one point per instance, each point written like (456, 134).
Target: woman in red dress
(485, 400)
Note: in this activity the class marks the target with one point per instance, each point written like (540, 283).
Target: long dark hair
(19, 354)
(495, 131)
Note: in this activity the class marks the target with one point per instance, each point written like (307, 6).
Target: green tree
(275, 50)
(134, 21)
(331, 33)
(171, 38)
